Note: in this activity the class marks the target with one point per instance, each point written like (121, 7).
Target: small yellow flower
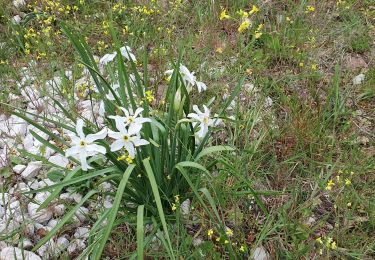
(217, 239)
(347, 182)
(224, 15)
(226, 242)
(244, 25)
(258, 34)
(229, 232)
(349, 204)
(310, 9)
(219, 50)
(254, 10)
(174, 207)
(129, 159)
(242, 249)
(149, 96)
(330, 184)
(210, 232)
(301, 64)
(329, 241)
(333, 245)
(288, 19)
(319, 240)
(314, 67)
(243, 14)
(177, 198)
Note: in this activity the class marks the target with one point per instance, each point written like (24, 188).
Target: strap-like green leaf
(113, 213)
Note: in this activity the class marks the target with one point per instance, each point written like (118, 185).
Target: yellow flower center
(82, 143)
(126, 138)
(130, 119)
(205, 120)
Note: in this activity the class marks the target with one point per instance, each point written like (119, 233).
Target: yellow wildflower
(129, 159)
(217, 239)
(258, 34)
(219, 50)
(347, 182)
(310, 9)
(149, 96)
(330, 184)
(333, 245)
(243, 14)
(319, 240)
(314, 67)
(254, 10)
(301, 64)
(224, 15)
(244, 25)
(242, 249)
(177, 198)
(210, 232)
(229, 232)
(174, 207)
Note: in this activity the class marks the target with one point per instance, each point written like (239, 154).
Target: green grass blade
(84, 177)
(140, 232)
(150, 174)
(114, 210)
(213, 149)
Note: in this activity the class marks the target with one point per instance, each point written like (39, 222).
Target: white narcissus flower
(84, 146)
(189, 79)
(203, 119)
(201, 86)
(125, 52)
(129, 139)
(107, 58)
(131, 118)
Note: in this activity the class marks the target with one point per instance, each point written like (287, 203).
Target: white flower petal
(141, 120)
(140, 142)
(82, 158)
(196, 109)
(117, 145)
(134, 129)
(72, 151)
(99, 135)
(120, 123)
(126, 112)
(107, 58)
(96, 149)
(138, 111)
(194, 116)
(115, 135)
(201, 86)
(130, 148)
(79, 128)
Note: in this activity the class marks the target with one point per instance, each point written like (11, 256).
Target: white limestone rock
(40, 216)
(82, 233)
(82, 213)
(76, 245)
(15, 253)
(19, 168)
(59, 160)
(32, 170)
(260, 254)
